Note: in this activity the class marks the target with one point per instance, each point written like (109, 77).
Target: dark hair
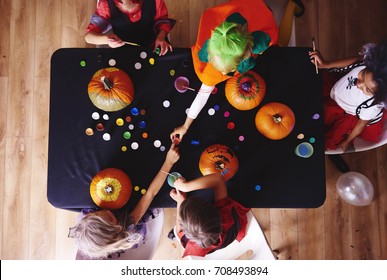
(375, 60)
(200, 221)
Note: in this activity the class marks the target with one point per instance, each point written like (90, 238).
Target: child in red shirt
(145, 23)
(203, 227)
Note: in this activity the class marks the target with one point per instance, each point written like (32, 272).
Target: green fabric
(237, 18)
(203, 53)
(246, 65)
(261, 41)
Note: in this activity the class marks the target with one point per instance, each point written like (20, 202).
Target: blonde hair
(97, 237)
(229, 44)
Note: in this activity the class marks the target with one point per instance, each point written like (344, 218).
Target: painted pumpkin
(111, 188)
(275, 120)
(246, 91)
(111, 89)
(219, 158)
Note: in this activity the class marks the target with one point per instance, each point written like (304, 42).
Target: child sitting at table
(145, 23)
(354, 105)
(230, 38)
(103, 234)
(203, 227)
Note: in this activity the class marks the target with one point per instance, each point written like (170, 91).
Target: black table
(270, 174)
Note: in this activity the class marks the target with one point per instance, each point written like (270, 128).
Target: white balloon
(355, 188)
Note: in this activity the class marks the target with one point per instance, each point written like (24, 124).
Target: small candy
(166, 103)
(143, 55)
(83, 63)
(145, 135)
(89, 131)
(100, 58)
(300, 136)
(112, 62)
(157, 143)
(127, 135)
(137, 65)
(95, 116)
(312, 140)
(211, 111)
(157, 50)
(151, 61)
(241, 138)
(142, 124)
(216, 107)
(120, 122)
(172, 72)
(186, 63)
(162, 148)
(134, 111)
(316, 116)
(134, 146)
(105, 117)
(257, 187)
(131, 126)
(143, 191)
(142, 112)
(99, 127)
(195, 142)
(136, 188)
(231, 125)
(106, 136)
(128, 119)
(124, 148)
(215, 90)
(226, 114)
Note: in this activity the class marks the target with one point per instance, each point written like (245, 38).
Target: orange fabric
(259, 18)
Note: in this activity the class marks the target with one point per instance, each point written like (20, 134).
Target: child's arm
(179, 197)
(194, 110)
(323, 63)
(101, 39)
(155, 186)
(359, 127)
(214, 181)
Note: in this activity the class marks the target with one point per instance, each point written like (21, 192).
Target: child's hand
(177, 195)
(180, 184)
(178, 134)
(173, 154)
(316, 58)
(163, 45)
(114, 41)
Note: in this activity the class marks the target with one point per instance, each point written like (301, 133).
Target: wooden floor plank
(5, 8)
(17, 199)
(22, 38)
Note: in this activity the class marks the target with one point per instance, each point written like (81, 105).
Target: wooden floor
(30, 31)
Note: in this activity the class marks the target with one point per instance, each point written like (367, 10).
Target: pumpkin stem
(109, 189)
(277, 118)
(246, 86)
(107, 83)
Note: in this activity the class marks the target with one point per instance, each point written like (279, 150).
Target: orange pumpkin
(246, 91)
(219, 158)
(111, 188)
(275, 120)
(111, 89)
